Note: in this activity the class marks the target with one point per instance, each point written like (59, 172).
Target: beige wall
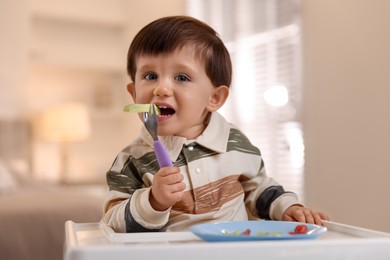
(73, 51)
(13, 63)
(346, 109)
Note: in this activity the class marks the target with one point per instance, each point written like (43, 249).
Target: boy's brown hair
(167, 34)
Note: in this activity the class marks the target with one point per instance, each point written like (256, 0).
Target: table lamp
(65, 123)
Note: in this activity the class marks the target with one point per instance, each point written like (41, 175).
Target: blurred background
(311, 88)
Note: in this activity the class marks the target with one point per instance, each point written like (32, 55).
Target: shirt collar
(214, 137)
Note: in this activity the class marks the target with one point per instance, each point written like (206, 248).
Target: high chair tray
(96, 241)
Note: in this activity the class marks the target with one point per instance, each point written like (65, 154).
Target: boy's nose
(162, 90)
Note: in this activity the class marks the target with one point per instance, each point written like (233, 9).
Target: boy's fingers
(177, 187)
(181, 186)
(171, 179)
(168, 171)
(309, 218)
(318, 220)
(298, 215)
(174, 178)
(288, 218)
(324, 216)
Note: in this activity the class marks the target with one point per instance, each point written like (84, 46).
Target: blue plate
(259, 230)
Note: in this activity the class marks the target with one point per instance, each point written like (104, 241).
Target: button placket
(197, 170)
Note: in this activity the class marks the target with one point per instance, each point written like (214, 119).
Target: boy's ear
(131, 90)
(218, 98)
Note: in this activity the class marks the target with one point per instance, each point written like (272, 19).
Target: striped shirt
(224, 176)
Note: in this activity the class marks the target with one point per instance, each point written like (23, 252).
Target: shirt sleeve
(114, 210)
(266, 198)
(127, 207)
(141, 216)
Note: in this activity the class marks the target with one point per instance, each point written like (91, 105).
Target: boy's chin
(165, 133)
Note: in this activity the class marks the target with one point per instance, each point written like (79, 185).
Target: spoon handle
(161, 154)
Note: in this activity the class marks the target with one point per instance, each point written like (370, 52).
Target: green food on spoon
(141, 108)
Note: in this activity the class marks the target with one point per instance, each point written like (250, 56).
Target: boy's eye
(150, 76)
(182, 77)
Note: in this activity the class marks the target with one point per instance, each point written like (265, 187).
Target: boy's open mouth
(166, 111)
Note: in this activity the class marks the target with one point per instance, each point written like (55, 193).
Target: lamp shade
(65, 122)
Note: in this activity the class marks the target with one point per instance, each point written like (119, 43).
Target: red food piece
(247, 232)
(299, 229)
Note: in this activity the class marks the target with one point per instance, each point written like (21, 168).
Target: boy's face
(177, 82)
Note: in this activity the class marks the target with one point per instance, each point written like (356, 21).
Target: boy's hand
(167, 188)
(302, 214)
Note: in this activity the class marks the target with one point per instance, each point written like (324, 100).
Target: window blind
(263, 38)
